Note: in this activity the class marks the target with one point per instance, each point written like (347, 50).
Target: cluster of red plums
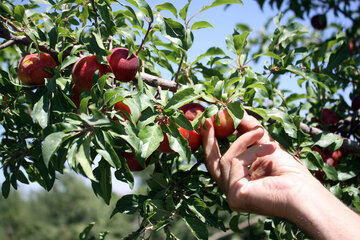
(191, 110)
(34, 68)
(330, 120)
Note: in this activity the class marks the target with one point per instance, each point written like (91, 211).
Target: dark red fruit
(164, 146)
(120, 107)
(332, 162)
(351, 47)
(84, 69)
(337, 154)
(319, 21)
(193, 138)
(132, 162)
(75, 96)
(226, 127)
(329, 117)
(319, 174)
(124, 68)
(32, 68)
(192, 110)
(355, 103)
(317, 149)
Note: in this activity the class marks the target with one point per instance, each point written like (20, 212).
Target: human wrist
(321, 215)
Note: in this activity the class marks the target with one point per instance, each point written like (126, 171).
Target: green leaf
(19, 13)
(234, 224)
(172, 30)
(311, 159)
(313, 77)
(331, 140)
(128, 204)
(348, 170)
(202, 212)
(5, 188)
(295, 96)
(85, 233)
(269, 54)
(176, 141)
(221, 2)
(106, 15)
(184, 11)
(41, 110)
(240, 42)
(51, 144)
(68, 61)
(182, 121)
(104, 186)
(197, 228)
(330, 172)
(21, 177)
(201, 24)
(6, 7)
(336, 58)
(97, 46)
(285, 120)
(144, 8)
(167, 6)
(182, 97)
(236, 111)
(150, 136)
(82, 156)
(213, 51)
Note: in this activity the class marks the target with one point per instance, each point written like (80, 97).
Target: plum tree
(139, 89)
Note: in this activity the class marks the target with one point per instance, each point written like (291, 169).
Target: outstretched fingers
(211, 151)
(220, 166)
(246, 158)
(229, 159)
(239, 188)
(248, 123)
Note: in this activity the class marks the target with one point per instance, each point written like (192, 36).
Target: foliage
(44, 132)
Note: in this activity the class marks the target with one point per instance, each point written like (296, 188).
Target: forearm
(321, 215)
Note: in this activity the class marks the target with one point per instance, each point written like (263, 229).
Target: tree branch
(24, 40)
(7, 44)
(348, 144)
(155, 81)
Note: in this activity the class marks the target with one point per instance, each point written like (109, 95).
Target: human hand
(276, 183)
(270, 185)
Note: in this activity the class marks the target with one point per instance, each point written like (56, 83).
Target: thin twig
(177, 73)
(144, 39)
(7, 44)
(95, 10)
